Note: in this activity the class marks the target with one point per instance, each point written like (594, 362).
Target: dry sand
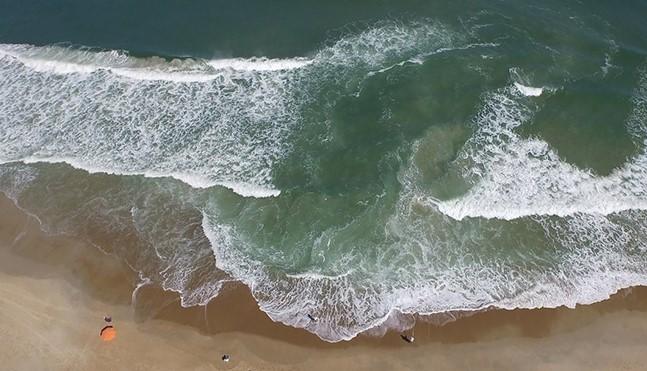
(54, 292)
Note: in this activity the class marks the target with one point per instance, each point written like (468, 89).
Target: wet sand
(55, 290)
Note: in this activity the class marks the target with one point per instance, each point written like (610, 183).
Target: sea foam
(440, 264)
(231, 129)
(528, 91)
(204, 122)
(516, 177)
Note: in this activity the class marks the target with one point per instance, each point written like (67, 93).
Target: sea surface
(360, 162)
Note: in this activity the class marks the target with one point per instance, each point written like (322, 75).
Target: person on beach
(408, 339)
(312, 318)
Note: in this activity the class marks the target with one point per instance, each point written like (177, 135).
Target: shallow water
(359, 163)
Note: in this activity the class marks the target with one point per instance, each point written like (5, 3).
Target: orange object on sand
(108, 333)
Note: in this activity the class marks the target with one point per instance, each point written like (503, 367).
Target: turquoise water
(361, 163)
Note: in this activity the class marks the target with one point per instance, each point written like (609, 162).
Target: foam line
(43, 59)
(260, 64)
(195, 181)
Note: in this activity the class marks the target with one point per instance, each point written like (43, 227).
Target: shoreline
(55, 291)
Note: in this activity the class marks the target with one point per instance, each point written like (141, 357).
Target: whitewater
(379, 177)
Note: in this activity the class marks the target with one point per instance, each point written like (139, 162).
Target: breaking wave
(65, 60)
(125, 115)
(515, 177)
(206, 122)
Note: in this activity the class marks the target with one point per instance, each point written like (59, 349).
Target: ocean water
(362, 163)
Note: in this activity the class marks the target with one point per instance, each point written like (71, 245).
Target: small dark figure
(312, 318)
(408, 339)
(225, 358)
(108, 319)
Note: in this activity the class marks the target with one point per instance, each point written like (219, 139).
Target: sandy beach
(56, 290)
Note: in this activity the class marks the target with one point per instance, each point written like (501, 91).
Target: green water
(358, 162)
